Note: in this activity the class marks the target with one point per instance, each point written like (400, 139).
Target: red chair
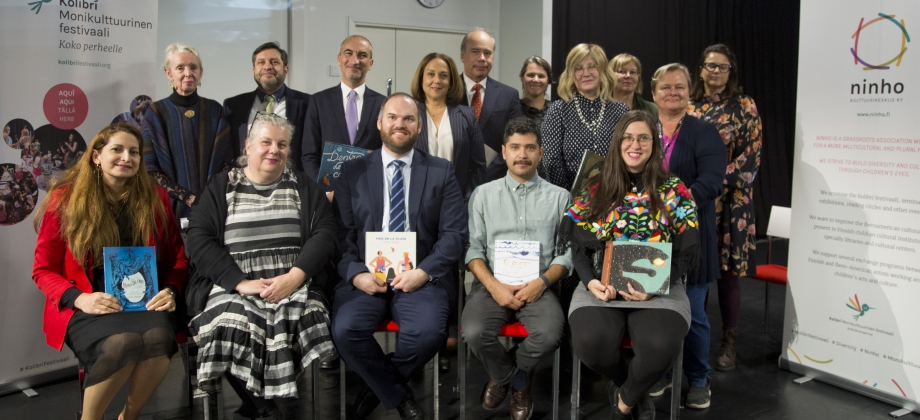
(778, 226)
(513, 330)
(676, 365)
(390, 327)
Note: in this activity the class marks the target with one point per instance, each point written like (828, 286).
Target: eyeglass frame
(622, 72)
(643, 140)
(581, 70)
(253, 122)
(723, 68)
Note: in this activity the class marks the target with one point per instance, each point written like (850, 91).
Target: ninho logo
(905, 38)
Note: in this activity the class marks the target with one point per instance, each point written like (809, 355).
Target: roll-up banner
(68, 68)
(853, 298)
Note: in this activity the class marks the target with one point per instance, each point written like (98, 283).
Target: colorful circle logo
(905, 38)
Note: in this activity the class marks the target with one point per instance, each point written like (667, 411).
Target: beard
(270, 83)
(396, 146)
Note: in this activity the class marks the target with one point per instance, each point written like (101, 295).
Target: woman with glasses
(584, 117)
(259, 238)
(691, 150)
(186, 138)
(634, 199)
(717, 98)
(628, 71)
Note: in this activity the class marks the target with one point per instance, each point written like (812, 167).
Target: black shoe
(331, 364)
(366, 402)
(443, 363)
(409, 409)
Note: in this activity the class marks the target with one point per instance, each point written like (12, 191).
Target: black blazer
(326, 122)
(436, 214)
(500, 105)
(698, 159)
(469, 157)
(239, 107)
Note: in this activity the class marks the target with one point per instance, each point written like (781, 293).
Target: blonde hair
(623, 59)
(667, 68)
(177, 47)
(567, 79)
(81, 201)
(454, 92)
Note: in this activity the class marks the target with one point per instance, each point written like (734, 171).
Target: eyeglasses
(627, 73)
(589, 67)
(721, 67)
(644, 140)
(254, 119)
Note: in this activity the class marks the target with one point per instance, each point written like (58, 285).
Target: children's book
(644, 265)
(591, 164)
(131, 275)
(330, 167)
(516, 262)
(387, 254)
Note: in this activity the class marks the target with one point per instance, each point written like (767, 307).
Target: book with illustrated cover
(131, 275)
(334, 154)
(516, 262)
(644, 265)
(387, 254)
(590, 165)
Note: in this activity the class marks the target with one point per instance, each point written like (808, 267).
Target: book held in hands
(131, 275)
(387, 254)
(330, 167)
(644, 265)
(591, 164)
(516, 262)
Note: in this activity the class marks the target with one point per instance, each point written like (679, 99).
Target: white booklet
(516, 262)
(387, 254)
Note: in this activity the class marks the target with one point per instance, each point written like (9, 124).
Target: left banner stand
(67, 69)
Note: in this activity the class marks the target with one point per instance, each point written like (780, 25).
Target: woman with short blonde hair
(628, 71)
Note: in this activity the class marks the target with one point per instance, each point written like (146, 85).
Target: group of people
(18, 194)
(275, 274)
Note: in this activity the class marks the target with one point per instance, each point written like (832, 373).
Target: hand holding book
(164, 300)
(97, 303)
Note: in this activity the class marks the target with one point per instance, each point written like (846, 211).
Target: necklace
(593, 126)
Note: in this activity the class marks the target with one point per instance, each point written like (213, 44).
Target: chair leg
(435, 378)
(314, 374)
(766, 307)
(556, 362)
(677, 377)
(342, 388)
(461, 371)
(576, 386)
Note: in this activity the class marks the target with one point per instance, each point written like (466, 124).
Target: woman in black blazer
(439, 90)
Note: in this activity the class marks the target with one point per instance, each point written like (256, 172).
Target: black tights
(255, 407)
(657, 336)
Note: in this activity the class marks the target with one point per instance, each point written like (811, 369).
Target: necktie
(351, 116)
(476, 103)
(269, 104)
(397, 198)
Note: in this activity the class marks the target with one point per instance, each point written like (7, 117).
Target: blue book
(334, 154)
(131, 275)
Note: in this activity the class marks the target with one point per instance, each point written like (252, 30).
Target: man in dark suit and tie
(269, 68)
(345, 113)
(494, 103)
(397, 189)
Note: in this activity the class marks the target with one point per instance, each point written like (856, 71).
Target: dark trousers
(482, 318)
(656, 334)
(422, 319)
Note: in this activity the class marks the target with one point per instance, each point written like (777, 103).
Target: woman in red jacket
(108, 199)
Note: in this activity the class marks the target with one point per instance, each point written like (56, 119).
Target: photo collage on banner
(70, 68)
(854, 276)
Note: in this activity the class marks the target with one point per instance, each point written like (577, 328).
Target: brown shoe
(521, 403)
(493, 394)
(727, 356)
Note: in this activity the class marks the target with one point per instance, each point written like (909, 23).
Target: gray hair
(271, 120)
(177, 47)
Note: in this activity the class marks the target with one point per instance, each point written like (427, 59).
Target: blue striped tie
(397, 198)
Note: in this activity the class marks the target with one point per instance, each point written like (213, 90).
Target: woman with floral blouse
(632, 199)
(717, 98)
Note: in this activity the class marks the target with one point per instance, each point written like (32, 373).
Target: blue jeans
(696, 343)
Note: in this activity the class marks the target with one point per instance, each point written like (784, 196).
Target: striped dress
(266, 345)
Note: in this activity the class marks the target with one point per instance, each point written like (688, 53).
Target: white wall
(521, 22)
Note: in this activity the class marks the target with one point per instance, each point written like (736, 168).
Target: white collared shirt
(440, 137)
(388, 173)
(359, 98)
(469, 89)
(258, 105)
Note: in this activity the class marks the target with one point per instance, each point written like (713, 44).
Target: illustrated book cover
(330, 167)
(387, 254)
(591, 164)
(516, 262)
(644, 265)
(131, 275)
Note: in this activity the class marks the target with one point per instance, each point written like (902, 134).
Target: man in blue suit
(397, 189)
(494, 103)
(269, 68)
(345, 113)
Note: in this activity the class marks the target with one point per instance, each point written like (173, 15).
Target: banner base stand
(28, 382)
(30, 392)
(899, 413)
(902, 403)
(802, 380)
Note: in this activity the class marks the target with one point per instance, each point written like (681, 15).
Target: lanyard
(666, 147)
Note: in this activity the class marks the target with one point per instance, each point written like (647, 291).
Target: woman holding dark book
(632, 199)
(258, 238)
(108, 200)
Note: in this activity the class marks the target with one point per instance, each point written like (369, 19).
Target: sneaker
(662, 385)
(698, 397)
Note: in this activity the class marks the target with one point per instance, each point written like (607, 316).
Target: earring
(98, 174)
(171, 85)
(199, 83)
